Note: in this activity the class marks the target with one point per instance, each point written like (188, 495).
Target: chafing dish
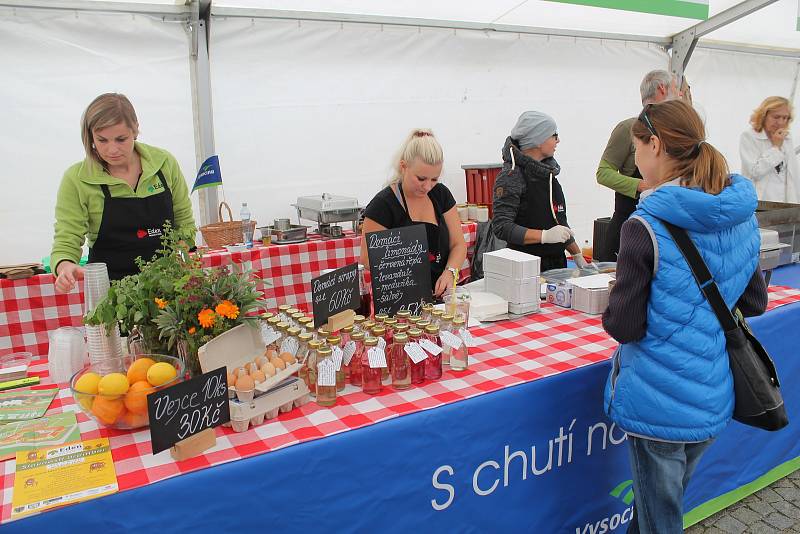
(327, 209)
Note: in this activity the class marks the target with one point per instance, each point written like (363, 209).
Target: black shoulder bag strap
(757, 398)
(736, 332)
(703, 276)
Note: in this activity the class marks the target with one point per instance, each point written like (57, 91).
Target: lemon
(160, 373)
(113, 384)
(87, 383)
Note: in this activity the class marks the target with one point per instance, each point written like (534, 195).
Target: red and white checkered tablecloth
(30, 308)
(508, 353)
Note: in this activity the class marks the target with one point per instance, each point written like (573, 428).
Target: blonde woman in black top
(415, 196)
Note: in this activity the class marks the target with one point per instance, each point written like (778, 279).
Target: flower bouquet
(176, 304)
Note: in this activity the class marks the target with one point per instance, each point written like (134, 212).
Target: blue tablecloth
(539, 457)
(786, 275)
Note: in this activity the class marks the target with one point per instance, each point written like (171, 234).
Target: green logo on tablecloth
(627, 498)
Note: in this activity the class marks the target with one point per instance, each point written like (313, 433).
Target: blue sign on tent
(209, 174)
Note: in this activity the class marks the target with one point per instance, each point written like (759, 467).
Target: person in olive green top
(617, 169)
(118, 197)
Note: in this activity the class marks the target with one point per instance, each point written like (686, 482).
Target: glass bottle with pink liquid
(433, 365)
(326, 377)
(401, 363)
(371, 382)
(359, 351)
(417, 369)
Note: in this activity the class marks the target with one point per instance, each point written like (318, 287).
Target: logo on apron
(150, 232)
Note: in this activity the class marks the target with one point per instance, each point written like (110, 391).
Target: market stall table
(495, 461)
(30, 308)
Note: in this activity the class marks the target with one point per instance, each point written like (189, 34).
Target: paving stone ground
(775, 508)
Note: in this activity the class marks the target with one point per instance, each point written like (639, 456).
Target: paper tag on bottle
(268, 334)
(290, 345)
(326, 373)
(469, 341)
(415, 352)
(337, 355)
(376, 357)
(382, 344)
(349, 350)
(450, 339)
(430, 347)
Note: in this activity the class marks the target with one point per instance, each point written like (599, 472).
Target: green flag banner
(689, 9)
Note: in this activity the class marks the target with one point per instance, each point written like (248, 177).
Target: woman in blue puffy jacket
(670, 387)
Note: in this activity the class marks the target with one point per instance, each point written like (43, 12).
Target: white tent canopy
(313, 96)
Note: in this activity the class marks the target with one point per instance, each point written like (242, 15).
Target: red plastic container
(480, 183)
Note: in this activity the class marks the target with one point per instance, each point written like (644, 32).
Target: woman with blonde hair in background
(768, 157)
(415, 196)
(670, 387)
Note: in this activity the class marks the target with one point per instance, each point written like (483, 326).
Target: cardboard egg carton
(236, 348)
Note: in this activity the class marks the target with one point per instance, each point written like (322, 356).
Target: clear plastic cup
(95, 284)
(457, 303)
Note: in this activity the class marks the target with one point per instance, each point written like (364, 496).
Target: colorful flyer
(23, 404)
(48, 431)
(54, 476)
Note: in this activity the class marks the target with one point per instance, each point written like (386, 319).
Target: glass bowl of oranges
(114, 392)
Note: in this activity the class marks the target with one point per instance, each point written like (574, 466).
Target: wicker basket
(219, 234)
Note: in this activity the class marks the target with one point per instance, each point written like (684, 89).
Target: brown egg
(270, 353)
(288, 357)
(261, 360)
(231, 379)
(252, 366)
(245, 383)
(278, 363)
(258, 376)
(268, 369)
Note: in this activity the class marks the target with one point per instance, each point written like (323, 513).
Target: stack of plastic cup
(104, 349)
(66, 354)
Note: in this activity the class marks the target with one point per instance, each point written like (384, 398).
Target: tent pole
(201, 103)
(683, 43)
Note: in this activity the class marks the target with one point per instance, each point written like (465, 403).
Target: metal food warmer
(326, 210)
(783, 218)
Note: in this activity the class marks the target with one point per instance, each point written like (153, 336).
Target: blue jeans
(661, 472)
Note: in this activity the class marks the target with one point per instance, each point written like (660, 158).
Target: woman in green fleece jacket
(118, 197)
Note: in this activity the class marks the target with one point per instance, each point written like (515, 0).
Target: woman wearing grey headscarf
(530, 212)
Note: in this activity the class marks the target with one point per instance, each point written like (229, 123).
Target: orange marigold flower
(206, 318)
(227, 309)
(192, 330)
(161, 303)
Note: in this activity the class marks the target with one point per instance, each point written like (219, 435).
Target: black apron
(438, 238)
(624, 206)
(130, 227)
(535, 211)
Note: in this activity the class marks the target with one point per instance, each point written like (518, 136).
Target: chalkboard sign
(335, 292)
(401, 272)
(185, 409)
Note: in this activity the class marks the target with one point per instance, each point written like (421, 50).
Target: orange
(134, 420)
(107, 409)
(138, 370)
(136, 398)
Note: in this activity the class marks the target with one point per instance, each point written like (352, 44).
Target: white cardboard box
(511, 264)
(525, 291)
(590, 293)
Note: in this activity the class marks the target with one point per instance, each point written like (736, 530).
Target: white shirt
(774, 171)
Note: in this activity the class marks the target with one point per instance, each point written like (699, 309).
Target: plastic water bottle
(247, 229)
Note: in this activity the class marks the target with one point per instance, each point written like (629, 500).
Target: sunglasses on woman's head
(644, 119)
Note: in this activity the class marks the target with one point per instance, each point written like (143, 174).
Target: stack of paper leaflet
(514, 276)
